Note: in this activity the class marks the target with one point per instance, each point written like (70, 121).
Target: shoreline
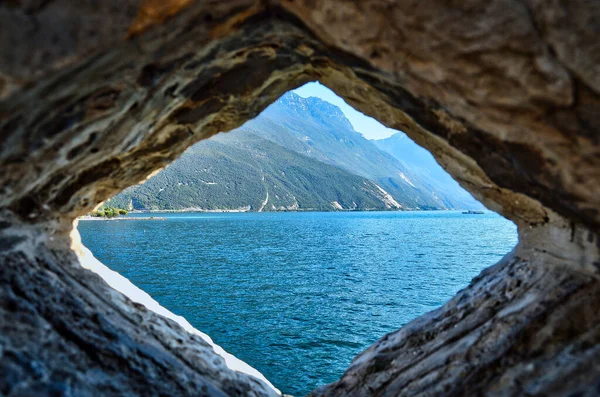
(199, 211)
(133, 218)
(194, 210)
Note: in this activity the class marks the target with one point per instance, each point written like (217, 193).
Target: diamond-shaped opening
(277, 262)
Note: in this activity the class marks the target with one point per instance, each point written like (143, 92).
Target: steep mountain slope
(299, 154)
(241, 171)
(423, 165)
(318, 129)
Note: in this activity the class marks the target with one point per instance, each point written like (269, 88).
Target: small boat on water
(471, 212)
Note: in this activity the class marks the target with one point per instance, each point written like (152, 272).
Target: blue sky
(368, 126)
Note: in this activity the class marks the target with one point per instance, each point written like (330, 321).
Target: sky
(368, 126)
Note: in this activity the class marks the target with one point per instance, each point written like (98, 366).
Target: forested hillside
(241, 171)
(299, 154)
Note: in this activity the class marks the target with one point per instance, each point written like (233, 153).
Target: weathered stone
(504, 93)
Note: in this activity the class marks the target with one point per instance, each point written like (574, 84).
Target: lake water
(298, 295)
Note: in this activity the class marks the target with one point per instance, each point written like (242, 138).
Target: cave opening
(298, 236)
(95, 98)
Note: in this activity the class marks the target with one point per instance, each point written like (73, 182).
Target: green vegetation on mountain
(318, 129)
(241, 171)
(299, 154)
(108, 212)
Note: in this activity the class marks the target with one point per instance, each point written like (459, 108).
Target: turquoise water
(298, 295)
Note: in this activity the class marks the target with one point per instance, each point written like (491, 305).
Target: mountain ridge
(319, 134)
(243, 172)
(298, 154)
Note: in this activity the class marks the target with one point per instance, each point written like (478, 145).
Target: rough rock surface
(504, 93)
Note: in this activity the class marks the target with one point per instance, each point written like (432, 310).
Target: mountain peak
(313, 107)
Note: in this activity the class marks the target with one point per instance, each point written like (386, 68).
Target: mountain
(317, 129)
(241, 171)
(424, 166)
(298, 154)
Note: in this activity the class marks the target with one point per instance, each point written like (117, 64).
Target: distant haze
(367, 126)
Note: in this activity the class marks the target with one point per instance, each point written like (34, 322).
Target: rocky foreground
(505, 94)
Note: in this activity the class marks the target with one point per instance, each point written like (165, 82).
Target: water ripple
(298, 295)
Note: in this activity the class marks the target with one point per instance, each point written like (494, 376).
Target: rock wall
(504, 93)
